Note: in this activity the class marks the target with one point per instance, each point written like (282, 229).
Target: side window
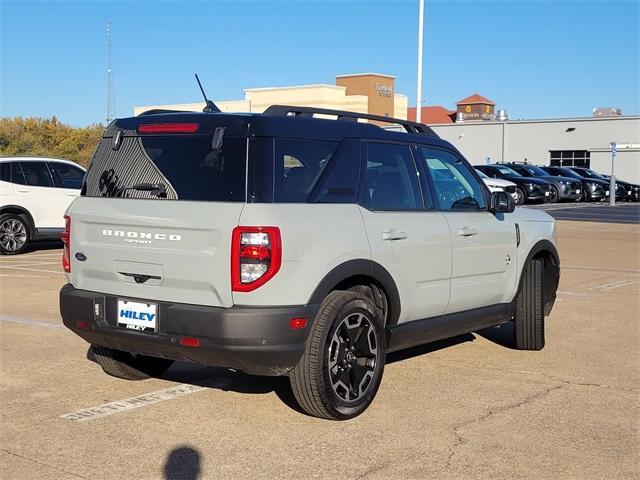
(36, 174)
(339, 182)
(390, 179)
(456, 186)
(5, 171)
(66, 176)
(16, 174)
(298, 164)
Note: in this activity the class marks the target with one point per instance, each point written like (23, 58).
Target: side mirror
(502, 202)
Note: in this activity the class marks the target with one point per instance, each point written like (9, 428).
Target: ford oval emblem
(81, 257)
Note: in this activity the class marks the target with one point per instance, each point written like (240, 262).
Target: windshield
(507, 171)
(565, 172)
(535, 171)
(481, 174)
(590, 174)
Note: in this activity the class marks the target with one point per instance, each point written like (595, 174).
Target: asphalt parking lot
(593, 212)
(470, 407)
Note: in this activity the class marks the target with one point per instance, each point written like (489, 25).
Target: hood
(498, 182)
(533, 215)
(534, 180)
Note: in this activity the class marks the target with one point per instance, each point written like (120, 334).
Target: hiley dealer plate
(137, 315)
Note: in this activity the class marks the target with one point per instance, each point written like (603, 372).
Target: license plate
(577, 190)
(137, 315)
(546, 194)
(629, 192)
(607, 192)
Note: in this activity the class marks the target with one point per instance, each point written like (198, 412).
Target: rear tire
(14, 234)
(128, 366)
(341, 369)
(528, 323)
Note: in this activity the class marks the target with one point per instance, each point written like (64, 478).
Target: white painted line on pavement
(31, 269)
(26, 321)
(572, 294)
(26, 264)
(613, 285)
(93, 413)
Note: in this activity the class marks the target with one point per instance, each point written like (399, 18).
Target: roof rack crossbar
(288, 111)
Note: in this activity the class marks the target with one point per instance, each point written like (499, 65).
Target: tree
(41, 137)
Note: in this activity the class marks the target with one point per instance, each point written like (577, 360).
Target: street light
(419, 95)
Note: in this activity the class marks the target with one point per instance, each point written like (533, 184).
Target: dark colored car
(528, 189)
(562, 188)
(632, 190)
(592, 188)
(621, 187)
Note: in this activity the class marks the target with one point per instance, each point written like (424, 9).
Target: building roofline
(315, 85)
(543, 120)
(367, 74)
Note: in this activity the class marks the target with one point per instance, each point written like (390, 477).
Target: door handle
(22, 190)
(467, 232)
(393, 234)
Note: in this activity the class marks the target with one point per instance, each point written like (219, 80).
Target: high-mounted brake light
(66, 240)
(168, 127)
(256, 255)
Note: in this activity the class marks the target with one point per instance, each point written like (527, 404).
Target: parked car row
(530, 183)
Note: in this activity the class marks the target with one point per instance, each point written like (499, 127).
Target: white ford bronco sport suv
(283, 244)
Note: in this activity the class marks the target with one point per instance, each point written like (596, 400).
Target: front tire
(555, 194)
(528, 323)
(128, 366)
(520, 196)
(14, 234)
(339, 374)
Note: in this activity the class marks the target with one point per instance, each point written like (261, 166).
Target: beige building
(372, 93)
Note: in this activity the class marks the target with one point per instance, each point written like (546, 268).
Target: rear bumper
(255, 340)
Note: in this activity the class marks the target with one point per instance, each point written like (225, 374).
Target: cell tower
(111, 100)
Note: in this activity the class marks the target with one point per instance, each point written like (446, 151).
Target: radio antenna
(211, 107)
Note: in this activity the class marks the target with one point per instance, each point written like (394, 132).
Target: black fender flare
(365, 268)
(553, 271)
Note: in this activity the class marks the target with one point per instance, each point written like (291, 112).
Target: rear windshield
(174, 167)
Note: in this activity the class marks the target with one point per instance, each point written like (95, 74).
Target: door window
(456, 186)
(66, 176)
(390, 179)
(36, 174)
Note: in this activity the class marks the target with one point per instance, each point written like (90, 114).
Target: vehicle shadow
(183, 463)
(43, 245)
(500, 334)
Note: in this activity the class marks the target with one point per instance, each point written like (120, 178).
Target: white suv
(282, 244)
(34, 194)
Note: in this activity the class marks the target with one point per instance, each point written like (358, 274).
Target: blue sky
(536, 59)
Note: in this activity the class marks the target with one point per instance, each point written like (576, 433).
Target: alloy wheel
(13, 235)
(352, 357)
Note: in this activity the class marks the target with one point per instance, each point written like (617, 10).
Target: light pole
(419, 95)
(612, 179)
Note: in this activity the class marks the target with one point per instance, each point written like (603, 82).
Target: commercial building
(482, 133)
(486, 136)
(372, 93)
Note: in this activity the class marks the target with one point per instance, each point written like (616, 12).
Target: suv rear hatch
(161, 197)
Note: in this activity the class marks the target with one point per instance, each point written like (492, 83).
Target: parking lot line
(572, 294)
(111, 408)
(614, 285)
(26, 321)
(9, 267)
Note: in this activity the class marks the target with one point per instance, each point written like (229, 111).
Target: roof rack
(157, 111)
(309, 112)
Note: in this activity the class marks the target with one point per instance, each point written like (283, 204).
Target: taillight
(256, 255)
(168, 127)
(66, 238)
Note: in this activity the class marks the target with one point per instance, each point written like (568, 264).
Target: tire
(520, 196)
(15, 234)
(555, 195)
(128, 366)
(528, 323)
(585, 195)
(337, 356)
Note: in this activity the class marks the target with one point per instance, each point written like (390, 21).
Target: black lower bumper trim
(255, 340)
